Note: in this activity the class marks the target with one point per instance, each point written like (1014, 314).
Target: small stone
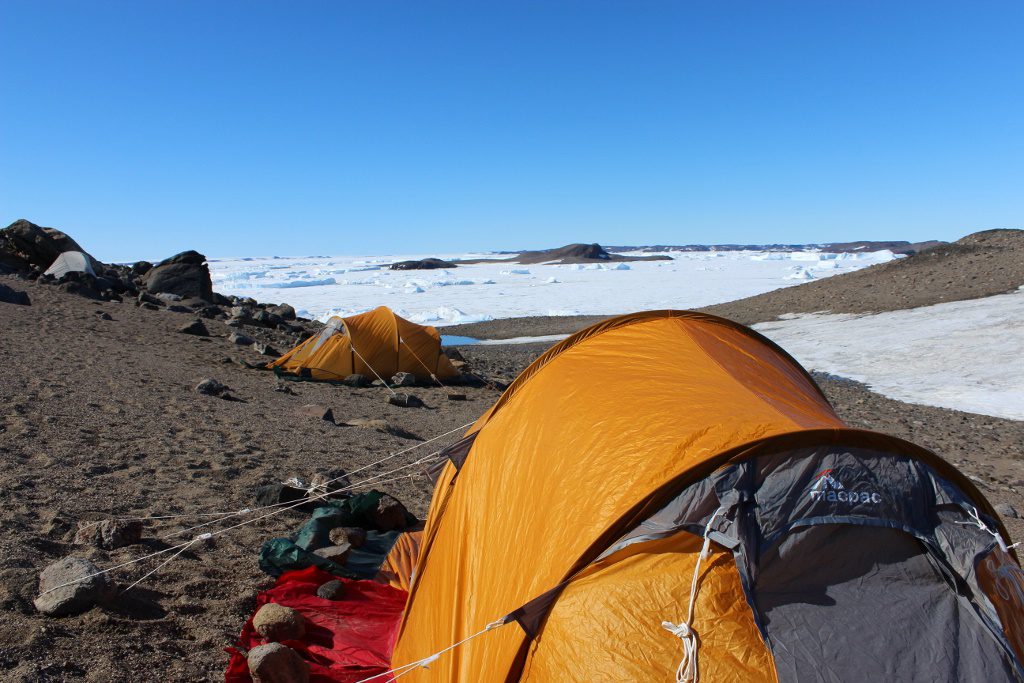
(403, 379)
(352, 535)
(276, 494)
(168, 297)
(456, 397)
(389, 515)
(405, 401)
(356, 380)
(106, 316)
(109, 534)
(241, 339)
(277, 622)
(178, 308)
(335, 553)
(382, 426)
(276, 663)
(150, 307)
(196, 327)
(326, 482)
(332, 590)
(1006, 510)
(147, 298)
(265, 349)
(212, 387)
(316, 411)
(84, 591)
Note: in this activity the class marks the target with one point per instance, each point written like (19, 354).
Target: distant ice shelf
(321, 286)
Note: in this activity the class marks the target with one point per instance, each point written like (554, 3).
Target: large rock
(389, 515)
(212, 387)
(241, 339)
(332, 590)
(109, 534)
(196, 327)
(335, 553)
(404, 401)
(13, 296)
(68, 587)
(277, 622)
(277, 494)
(348, 535)
(24, 246)
(284, 311)
(277, 663)
(185, 274)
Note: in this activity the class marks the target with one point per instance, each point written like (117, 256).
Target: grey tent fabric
(858, 564)
(70, 262)
(840, 602)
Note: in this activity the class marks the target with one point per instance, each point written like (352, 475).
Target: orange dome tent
(564, 539)
(377, 342)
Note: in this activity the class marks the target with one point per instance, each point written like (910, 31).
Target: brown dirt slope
(981, 264)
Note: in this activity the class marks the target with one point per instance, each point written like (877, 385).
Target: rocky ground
(99, 418)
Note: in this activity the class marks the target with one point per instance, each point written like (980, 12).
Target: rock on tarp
(347, 640)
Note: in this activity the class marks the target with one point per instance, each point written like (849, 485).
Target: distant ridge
(570, 253)
(895, 246)
(978, 265)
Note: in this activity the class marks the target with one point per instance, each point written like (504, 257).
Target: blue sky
(245, 128)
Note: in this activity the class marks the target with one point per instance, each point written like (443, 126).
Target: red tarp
(346, 640)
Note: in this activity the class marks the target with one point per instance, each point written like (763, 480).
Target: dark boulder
(285, 311)
(109, 534)
(140, 268)
(185, 274)
(241, 339)
(211, 387)
(405, 401)
(13, 296)
(197, 328)
(332, 590)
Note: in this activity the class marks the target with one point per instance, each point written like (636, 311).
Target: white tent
(70, 262)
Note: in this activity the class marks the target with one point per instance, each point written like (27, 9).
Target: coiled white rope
(687, 671)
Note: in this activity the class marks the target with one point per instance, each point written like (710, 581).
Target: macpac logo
(828, 488)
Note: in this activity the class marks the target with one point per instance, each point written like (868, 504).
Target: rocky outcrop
(422, 264)
(25, 246)
(185, 274)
